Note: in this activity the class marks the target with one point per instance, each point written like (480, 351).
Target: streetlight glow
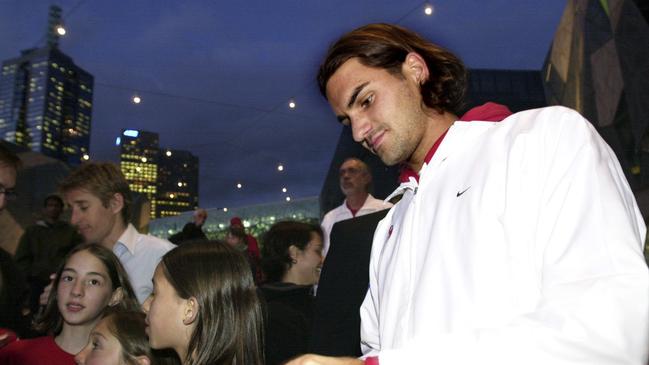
(239, 186)
(86, 157)
(428, 10)
(225, 209)
(291, 104)
(168, 153)
(284, 190)
(280, 167)
(288, 198)
(137, 99)
(60, 30)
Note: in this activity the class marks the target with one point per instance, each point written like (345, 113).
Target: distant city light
(291, 104)
(86, 157)
(239, 186)
(225, 209)
(60, 30)
(284, 190)
(429, 9)
(180, 184)
(144, 159)
(288, 198)
(280, 167)
(118, 141)
(168, 153)
(137, 99)
(131, 133)
(172, 196)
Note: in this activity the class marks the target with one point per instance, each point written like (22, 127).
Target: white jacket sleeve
(594, 284)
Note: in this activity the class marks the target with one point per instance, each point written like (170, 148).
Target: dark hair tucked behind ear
(386, 46)
(276, 259)
(229, 321)
(51, 319)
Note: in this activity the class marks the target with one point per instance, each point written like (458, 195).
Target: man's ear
(116, 203)
(190, 312)
(142, 360)
(415, 68)
(117, 297)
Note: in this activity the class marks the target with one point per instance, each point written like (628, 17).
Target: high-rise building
(139, 153)
(168, 178)
(177, 182)
(46, 101)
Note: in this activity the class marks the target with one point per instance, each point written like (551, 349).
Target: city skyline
(217, 78)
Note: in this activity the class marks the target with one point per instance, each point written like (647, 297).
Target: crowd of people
(513, 238)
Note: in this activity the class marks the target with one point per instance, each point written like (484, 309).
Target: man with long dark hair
(517, 242)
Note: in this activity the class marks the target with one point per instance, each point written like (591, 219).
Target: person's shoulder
(334, 212)
(150, 242)
(20, 351)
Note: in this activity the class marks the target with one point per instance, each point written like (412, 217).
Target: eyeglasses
(10, 194)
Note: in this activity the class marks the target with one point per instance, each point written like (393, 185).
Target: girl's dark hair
(386, 46)
(51, 320)
(229, 322)
(276, 259)
(129, 329)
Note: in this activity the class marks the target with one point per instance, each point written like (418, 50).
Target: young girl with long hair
(90, 279)
(205, 307)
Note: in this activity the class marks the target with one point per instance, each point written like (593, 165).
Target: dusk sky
(216, 77)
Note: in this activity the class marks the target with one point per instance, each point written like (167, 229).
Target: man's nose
(361, 128)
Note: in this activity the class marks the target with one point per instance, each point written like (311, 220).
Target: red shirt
(41, 350)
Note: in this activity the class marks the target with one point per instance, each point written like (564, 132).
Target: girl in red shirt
(90, 279)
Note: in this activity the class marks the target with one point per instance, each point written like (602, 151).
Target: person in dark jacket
(291, 260)
(192, 231)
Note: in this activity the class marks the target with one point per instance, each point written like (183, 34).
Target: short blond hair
(102, 179)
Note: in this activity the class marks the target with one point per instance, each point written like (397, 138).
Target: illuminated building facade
(46, 104)
(168, 178)
(139, 154)
(177, 183)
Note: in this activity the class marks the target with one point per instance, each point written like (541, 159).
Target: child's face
(165, 311)
(102, 349)
(84, 289)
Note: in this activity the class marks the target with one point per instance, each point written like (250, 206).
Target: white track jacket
(520, 244)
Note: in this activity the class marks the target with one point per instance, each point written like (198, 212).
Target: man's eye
(367, 101)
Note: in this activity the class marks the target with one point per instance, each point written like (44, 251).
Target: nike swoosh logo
(462, 192)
